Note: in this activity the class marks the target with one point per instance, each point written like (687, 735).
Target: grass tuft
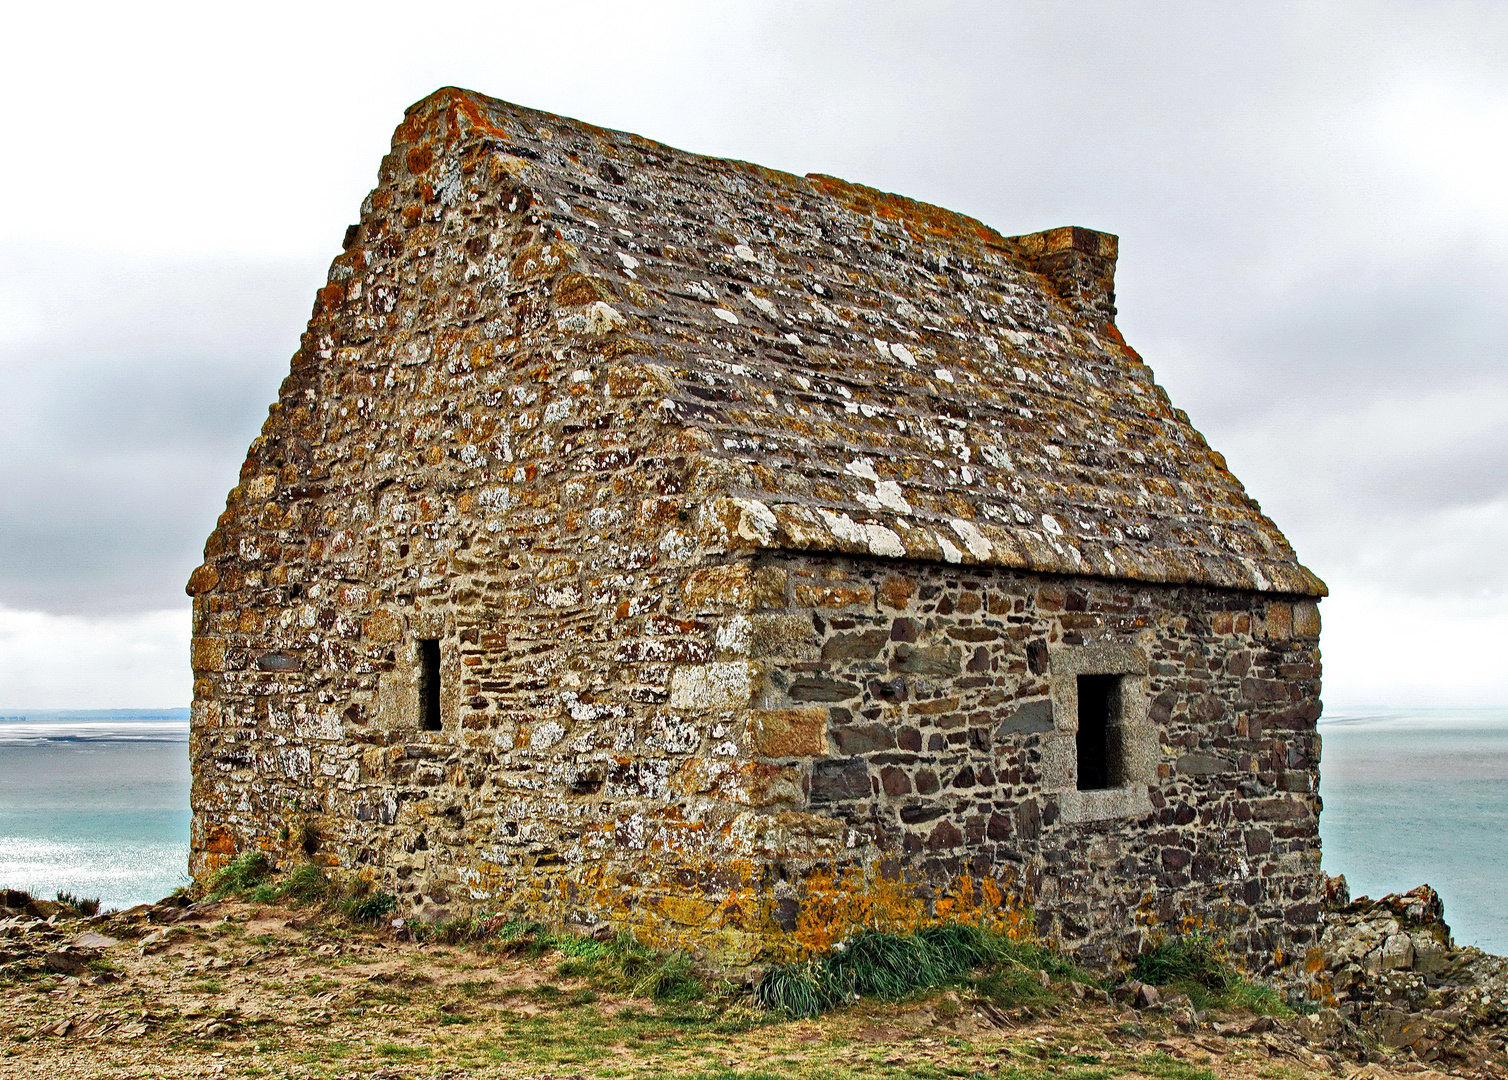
(1191, 959)
(243, 873)
(891, 966)
(78, 903)
(792, 990)
(372, 907)
(459, 930)
(250, 876)
(1196, 966)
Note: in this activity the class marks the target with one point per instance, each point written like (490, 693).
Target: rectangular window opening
(1099, 765)
(429, 685)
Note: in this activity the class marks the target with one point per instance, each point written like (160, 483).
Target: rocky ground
(1390, 977)
(242, 989)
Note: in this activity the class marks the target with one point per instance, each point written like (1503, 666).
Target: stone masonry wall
(702, 774)
(937, 692)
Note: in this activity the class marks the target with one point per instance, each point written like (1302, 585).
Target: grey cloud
(123, 429)
(1289, 294)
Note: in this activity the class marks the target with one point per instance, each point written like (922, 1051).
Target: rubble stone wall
(770, 736)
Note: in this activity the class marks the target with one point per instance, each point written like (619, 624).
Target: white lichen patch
(978, 544)
(716, 687)
(883, 541)
(596, 319)
(863, 468)
(844, 527)
(546, 735)
(757, 521)
(736, 636)
(889, 494)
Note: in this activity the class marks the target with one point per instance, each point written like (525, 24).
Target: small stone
(155, 941)
(89, 939)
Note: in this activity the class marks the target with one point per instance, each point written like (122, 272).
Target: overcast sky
(1311, 201)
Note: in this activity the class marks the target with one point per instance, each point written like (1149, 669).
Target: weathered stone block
(863, 739)
(896, 592)
(843, 780)
(716, 687)
(737, 587)
(940, 661)
(203, 579)
(1306, 620)
(383, 627)
(816, 688)
(861, 646)
(1032, 718)
(787, 635)
(208, 654)
(1202, 765)
(783, 733)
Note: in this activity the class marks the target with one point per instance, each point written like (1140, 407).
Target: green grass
(305, 884)
(1196, 966)
(890, 966)
(250, 876)
(1191, 959)
(78, 903)
(1165, 1067)
(242, 874)
(399, 1052)
(619, 963)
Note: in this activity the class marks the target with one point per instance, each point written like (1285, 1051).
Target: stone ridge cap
(1021, 549)
(885, 205)
(889, 205)
(461, 98)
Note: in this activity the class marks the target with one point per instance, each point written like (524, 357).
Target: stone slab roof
(861, 372)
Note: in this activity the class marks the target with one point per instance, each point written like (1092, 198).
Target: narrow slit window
(429, 685)
(1098, 738)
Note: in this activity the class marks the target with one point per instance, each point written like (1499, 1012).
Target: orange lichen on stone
(835, 903)
(922, 220)
(738, 587)
(204, 578)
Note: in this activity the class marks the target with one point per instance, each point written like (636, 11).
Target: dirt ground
(243, 990)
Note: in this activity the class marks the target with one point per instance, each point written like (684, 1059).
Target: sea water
(97, 804)
(1415, 796)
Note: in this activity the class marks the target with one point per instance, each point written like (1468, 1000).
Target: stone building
(738, 557)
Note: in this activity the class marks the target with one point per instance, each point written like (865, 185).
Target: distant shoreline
(13, 716)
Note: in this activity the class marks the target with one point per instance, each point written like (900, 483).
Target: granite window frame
(1134, 733)
(401, 690)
